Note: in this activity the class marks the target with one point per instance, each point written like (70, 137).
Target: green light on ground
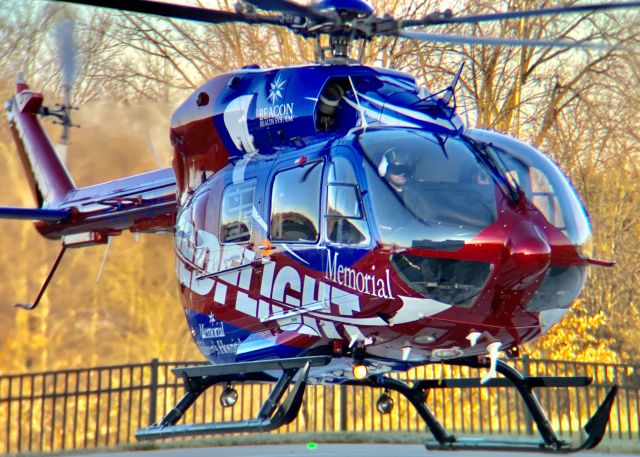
(312, 446)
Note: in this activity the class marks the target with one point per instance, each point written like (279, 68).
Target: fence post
(526, 370)
(343, 408)
(153, 390)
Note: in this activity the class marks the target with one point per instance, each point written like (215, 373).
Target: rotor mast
(338, 32)
(338, 50)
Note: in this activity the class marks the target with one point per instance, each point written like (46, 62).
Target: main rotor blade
(175, 11)
(474, 19)
(462, 39)
(286, 6)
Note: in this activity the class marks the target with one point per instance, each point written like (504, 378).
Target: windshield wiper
(489, 159)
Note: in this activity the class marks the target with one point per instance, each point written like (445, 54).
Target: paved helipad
(326, 450)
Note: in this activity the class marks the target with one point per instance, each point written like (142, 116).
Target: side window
(237, 206)
(543, 196)
(538, 189)
(345, 219)
(295, 204)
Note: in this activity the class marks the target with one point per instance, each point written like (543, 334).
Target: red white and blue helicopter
(335, 222)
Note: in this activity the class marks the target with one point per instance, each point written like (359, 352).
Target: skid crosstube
(416, 393)
(275, 411)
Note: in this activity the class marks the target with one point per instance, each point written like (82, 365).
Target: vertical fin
(48, 177)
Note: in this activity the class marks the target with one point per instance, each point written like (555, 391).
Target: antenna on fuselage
(104, 260)
(154, 151)
(451, 90)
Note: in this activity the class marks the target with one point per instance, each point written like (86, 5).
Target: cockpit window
(550, 192)
(237, 204)
(425, 189)
(344, 217)
(295, 206)
(543, 183)
(535, 184)
(543, 196)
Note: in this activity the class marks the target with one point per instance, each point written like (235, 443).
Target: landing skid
(417, 393)
(279, 410)
(275, 411)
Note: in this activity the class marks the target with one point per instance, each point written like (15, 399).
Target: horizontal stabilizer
(36, 214)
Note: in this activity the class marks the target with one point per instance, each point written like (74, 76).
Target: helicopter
(335, 223)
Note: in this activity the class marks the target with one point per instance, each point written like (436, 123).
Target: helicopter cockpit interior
(426, 190)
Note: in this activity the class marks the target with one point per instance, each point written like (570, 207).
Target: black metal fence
(103, 407)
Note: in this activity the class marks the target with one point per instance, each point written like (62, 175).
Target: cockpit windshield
(544, 185)
(426, 191)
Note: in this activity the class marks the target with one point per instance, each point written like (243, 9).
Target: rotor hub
(348, 9)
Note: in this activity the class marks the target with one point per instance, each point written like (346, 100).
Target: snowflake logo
(275, 92)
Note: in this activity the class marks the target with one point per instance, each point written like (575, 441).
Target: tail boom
(88, 215)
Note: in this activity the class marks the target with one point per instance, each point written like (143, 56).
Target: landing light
(424, 339)
(384, 405)
(360, 371)
(228, 397)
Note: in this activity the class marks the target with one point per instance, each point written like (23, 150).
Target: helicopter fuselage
(292, 239)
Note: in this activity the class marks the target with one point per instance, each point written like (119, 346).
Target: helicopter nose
(530, 253)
